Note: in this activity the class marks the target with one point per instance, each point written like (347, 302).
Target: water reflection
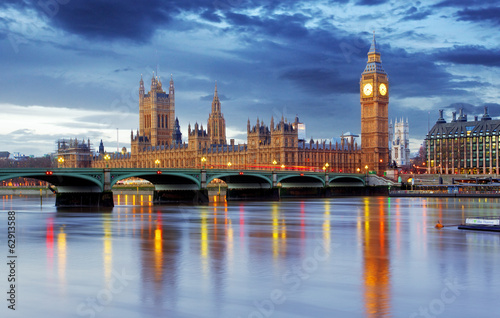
(326, 226)
(107, 249)
(160, 246)
(376, 264)
(61, 259)
(222, 259)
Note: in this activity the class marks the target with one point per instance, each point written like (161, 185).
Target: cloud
(101, 19)
(417, 75)
(467, 108)
(415, 14)
(210, 97)
(470, 55)
(125, 69)
(322, 80)
(291, 26)
(211, 16)
(464, 3)
(474, 110)
(371, 2)
(490, 15)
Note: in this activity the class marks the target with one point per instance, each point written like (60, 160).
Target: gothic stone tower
(216, 127)
(374, 97)
(157, 112)
(400, 142)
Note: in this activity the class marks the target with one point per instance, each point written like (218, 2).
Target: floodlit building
(279, 145)
(463, 146)
(399, 142)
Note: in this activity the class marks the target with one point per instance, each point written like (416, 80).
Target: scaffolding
(72, 153)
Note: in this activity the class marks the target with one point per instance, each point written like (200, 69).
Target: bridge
(92, 187)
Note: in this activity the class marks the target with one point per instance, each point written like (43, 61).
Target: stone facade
(374, 97)
(157, 144)
(399, 142)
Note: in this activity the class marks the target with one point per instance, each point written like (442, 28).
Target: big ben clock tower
(374, 97)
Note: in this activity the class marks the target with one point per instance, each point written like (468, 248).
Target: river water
(338, 257)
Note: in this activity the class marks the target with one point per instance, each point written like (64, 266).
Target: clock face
(382, 89)
(367, 89)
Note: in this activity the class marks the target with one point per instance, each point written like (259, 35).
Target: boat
(491, 223)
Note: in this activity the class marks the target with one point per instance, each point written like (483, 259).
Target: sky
(71, 68)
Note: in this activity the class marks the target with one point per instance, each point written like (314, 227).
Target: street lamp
(107, 158)
(61, 161)
(358, 170)
(157, 162)
(229, 164)
(203, 160)
(282, 166)
(366, 170)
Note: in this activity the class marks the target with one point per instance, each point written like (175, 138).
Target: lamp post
(61, 161)
(283, 166)
(229, 164)
(107, 158)
(358, 170)
(203, 160)
(366, 170)
(157, 163)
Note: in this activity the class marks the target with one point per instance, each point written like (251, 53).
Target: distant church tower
(157, 112)
(374, 98)
(399, 142)
(216, 127)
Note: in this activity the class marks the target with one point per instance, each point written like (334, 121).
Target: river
(336, 257)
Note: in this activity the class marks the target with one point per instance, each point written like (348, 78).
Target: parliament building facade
(158, 142)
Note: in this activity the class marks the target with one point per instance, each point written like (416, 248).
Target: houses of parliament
(158, 142)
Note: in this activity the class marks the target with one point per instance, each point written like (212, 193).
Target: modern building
(399, 142)
(281, 145)
(461, 146)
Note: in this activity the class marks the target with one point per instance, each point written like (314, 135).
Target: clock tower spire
(374, 98)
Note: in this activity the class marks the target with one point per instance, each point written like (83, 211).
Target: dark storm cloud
(471, 55)
(101, 19)
(138, 22)
(464, 3)
(371, 2)
(493, 109)
(322, 81)
(211, 16)
(490, 15)
(110, 20)
(413, 35)
(285, 25)
(417, 75)
(415, 14)
(468, 109)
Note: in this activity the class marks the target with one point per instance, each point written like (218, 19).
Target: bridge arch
(235, 180)
(64, 181)
(164, 181)
(347, 181)
(305, 181)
